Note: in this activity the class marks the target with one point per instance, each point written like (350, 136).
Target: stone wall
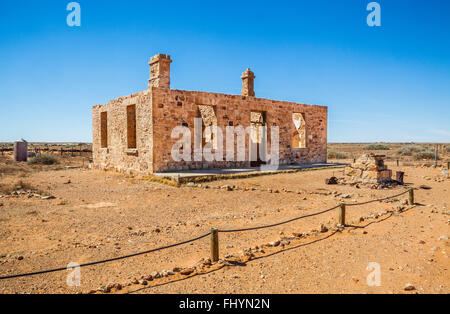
(173, 108)
(159, 110)
(117, 155)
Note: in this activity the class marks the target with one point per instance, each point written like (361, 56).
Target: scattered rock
(207, 262)
(47, 197)
(104, 289)
(434, 249)
(410, 287)
(143, 282)
(323, 228)
(227, 188)
(275, 243)
(187, 271)
(167, 273)
(443, 238)
(425, 187)
(331, 181)
(135, 281)
(285, 242)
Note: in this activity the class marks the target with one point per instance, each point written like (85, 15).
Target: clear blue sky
(388, 83)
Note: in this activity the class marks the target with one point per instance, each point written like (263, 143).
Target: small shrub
(424, 155)
(333, 154)
(447, 149)
(409, 150)
(376, 147)
(43, 160)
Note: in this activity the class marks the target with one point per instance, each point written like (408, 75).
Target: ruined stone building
(133, 134)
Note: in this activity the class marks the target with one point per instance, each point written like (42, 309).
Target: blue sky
(388, 83)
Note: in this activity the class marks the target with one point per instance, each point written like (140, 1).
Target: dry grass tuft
(19, 185)
(162, 181)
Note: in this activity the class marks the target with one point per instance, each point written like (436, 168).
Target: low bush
(333, 154)
(43, 160)
(410, 150)
(376, 147)
(429, 155)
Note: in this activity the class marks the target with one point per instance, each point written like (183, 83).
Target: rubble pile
(369, 169)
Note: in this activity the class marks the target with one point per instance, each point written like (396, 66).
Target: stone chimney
(248, 79)
(160, 71)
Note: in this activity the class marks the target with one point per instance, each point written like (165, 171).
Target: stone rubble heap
(370, 169)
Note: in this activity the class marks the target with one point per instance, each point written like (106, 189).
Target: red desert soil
(98, 215)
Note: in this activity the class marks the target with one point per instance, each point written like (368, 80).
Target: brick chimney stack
(160, 71)
(248, 79)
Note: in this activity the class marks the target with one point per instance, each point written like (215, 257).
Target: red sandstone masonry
(159, 110)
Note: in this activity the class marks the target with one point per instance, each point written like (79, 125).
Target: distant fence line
(73, 151)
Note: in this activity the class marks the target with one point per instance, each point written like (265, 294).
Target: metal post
(435, 157)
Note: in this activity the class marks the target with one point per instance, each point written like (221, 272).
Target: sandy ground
(97, 215)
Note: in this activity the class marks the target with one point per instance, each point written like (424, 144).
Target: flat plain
(52, 215)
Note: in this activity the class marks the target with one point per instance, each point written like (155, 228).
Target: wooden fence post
(214, 245)
(448, 164)
(398, 163)
(411, 197)
(342, 214)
